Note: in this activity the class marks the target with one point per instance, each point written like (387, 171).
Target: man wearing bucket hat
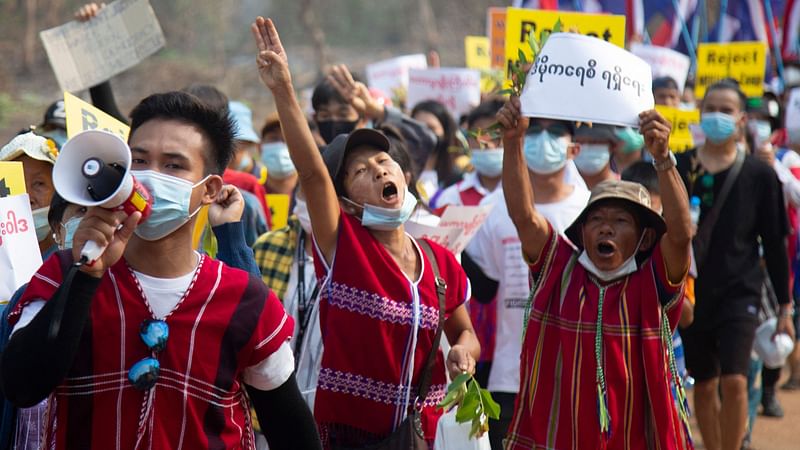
(597, 364)
(37, 155)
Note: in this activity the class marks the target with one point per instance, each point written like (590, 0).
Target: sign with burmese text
(459, 90)
(19, 248)
(457, 227)
(585, 79)
(664, 62)
(391, 76)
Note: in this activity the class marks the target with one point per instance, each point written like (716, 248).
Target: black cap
(597, 131)
(336, 152)
(56, 115)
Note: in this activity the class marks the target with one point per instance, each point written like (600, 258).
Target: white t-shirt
(163, 295)
(497, 250)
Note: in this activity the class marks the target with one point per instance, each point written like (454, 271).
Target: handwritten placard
(12, 178)
(664, 62)
(391, 75)
(457, 89)
(585, 79)
(496, 30)
(476, 52)
(457, 227)
(680, 138)
(743, 61)
(19, 248)
(520, 22)
(84, 54)
(82, 116)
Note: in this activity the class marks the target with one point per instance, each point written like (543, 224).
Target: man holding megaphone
(142, 339)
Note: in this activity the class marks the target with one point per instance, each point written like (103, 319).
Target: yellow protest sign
(680, 138)
(520, 22)
(12, 178)
(476, 50)
(279, 209)
(496, 30)
(82, 116)
(743, 61)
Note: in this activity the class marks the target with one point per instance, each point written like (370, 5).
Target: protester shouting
(596, 362)
(156, 342)
(379, 305)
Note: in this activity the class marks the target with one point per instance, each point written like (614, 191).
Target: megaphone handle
(91, 251)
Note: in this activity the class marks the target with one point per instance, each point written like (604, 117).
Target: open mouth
(389, 192)
(606, 248)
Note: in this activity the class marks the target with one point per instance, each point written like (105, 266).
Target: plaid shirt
(274, 252)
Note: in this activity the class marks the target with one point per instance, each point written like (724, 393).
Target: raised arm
(323, 204)
(532, 227)
(675, 242)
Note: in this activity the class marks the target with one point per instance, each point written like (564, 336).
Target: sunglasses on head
(556, 129)
(144, 374)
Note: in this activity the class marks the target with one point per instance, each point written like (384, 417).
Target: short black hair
(324, 93)
(731, 85)
(644, 173)
(487, 109)
(210, 95)
(665, 83)
(216, 125)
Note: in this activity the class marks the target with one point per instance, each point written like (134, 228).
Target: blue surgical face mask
(41, 224)
(69, 228)
(488, 162)
(546, 153)
(171, 202)
(386, 219)
(275, 155)
(632, 140)
(592, 158)
(718, 127)
(762, 130)
(244, 163)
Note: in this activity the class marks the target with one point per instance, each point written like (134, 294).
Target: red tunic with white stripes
(368, 318)
(226, 322)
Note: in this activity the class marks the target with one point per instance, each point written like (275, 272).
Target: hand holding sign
(655, 129)
(511, 119)
(586, 79)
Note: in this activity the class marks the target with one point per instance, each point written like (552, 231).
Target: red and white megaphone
(93, 169)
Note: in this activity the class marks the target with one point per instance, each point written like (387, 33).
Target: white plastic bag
(451, 435)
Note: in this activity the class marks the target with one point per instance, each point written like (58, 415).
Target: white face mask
(41, 224)
(626, 268)
(301, 211)
(171, 199)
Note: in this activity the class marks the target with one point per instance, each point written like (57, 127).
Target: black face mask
(329, 129)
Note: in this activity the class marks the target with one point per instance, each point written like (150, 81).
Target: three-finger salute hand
(273, 66)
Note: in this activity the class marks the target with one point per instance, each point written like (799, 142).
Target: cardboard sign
(743, 61)
(84, 54)
(664, 62)
(680, 138)
(457, 227)
(82, 116)
(19, 248)
(457, 89)
(585, 79)
(12, 178)
(391, 75)
(476, 52)
(520, 22)
(496, 30)
(278, 205)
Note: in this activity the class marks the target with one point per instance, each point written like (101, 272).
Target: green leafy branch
(519, 68)
(473, 404)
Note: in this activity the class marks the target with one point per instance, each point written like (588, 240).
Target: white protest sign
(19, 248)
(456, 228)
(585, 79)
(457, 89)
(664, 62)
(793, 116)
(84, 54)
(392, 74)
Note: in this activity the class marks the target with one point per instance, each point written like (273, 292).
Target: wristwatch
(666, 164)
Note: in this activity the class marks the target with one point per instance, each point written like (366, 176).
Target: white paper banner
(456, 228)
(664, 62)
(793, 116)
(19, 248)
(585, 79)
(457, 89)
(84, 54)
(391, 74)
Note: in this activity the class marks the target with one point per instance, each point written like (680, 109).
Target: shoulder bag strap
(441, 288)
(705, 229)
